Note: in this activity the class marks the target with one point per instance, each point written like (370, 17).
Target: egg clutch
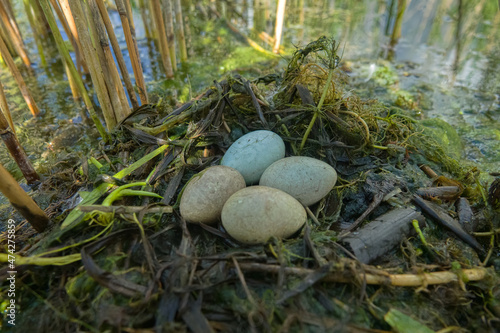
(274, 207)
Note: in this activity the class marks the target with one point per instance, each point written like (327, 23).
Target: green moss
(445, 135)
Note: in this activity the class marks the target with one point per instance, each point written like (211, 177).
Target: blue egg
(253, 153)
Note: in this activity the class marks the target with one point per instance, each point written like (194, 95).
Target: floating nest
(120, 258)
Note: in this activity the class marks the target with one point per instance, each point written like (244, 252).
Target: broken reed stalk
(181, 38)
(118, 53)
(22, 202)
(399, 280)
(80, 62)
(63, 51)
(4, 107)
(19, 79)
(132, 51)
(28, 8)
(162, 38)
(169, 24)
(90, 57)
(16, 151)
(280, 16)
(10, 24)
(110, 72)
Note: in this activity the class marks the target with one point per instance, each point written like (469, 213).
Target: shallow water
(450, 74)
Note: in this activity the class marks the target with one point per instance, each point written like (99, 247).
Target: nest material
(145, 268)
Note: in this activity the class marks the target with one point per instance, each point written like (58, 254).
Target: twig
(399, 280)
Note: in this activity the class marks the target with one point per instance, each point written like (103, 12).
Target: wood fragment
(439, 215)
(465, 216)
(447, 193)
(382, 234)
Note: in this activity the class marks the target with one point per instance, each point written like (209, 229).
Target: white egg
(206, 193)
(253, 153)
(254, 214)
(306, 179)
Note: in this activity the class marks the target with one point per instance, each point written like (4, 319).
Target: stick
(19, 79)
(133, 52)
(399, 280)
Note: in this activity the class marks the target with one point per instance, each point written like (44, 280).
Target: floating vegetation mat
(388, 249)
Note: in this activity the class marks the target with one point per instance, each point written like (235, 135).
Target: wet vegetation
(407, 240)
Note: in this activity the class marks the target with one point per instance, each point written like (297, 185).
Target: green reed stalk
(29, 13)
(181, 38)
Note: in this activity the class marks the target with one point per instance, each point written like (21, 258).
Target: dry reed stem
(181, 39)
(14, 34)
(80, 62)
(16, 151)
(19, 79)
(111, 75)
(63, 51)
(118, 53)
(128, 8)
(280, 16)
(145, 20)
(169, 24)
(64, 23)
(4, 106)
(133, 52)
(22, 201)
(89, 54)
(164, 51)
(399, 280)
